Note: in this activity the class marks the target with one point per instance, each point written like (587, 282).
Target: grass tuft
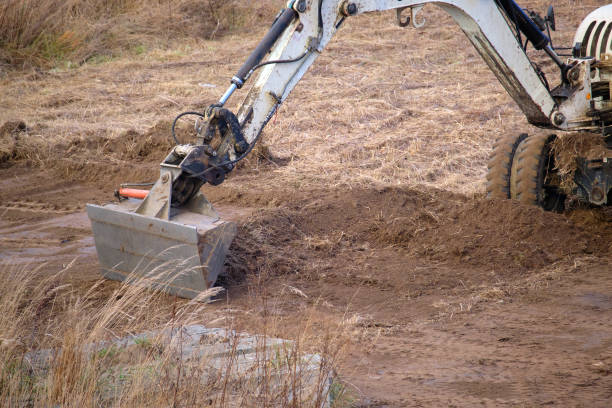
(69, 32)
(56, 349)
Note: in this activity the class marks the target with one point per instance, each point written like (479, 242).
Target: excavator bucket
(182, 257)
(177, 250)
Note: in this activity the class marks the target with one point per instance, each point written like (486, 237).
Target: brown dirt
(371, 217)
(461, 301)
(431, 224)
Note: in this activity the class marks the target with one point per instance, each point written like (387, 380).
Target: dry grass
(80, 369)
(382, 105)
(386, 105)
(48, 32)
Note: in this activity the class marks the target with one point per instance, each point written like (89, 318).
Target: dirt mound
(153, 144)
(431, 224)
(130, 157)
(106, 160)
(263, 244)
(508, 234)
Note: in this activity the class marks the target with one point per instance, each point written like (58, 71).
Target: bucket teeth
(183, 256)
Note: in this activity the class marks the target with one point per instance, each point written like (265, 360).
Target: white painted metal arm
(481, 20)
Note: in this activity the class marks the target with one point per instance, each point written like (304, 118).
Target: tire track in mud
(38, 207)
(55, 231)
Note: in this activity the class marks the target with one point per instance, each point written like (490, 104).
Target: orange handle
(133, 193)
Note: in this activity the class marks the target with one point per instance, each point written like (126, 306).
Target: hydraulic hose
(527, 26)
(228, 116)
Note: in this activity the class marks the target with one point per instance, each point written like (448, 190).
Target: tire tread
(500, 164)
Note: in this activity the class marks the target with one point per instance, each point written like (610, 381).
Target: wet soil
(449, 300)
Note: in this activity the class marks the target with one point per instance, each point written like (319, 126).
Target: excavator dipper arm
(309, 25)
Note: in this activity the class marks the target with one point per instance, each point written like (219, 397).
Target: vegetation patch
(48, 33)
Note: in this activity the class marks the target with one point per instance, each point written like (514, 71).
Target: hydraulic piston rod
(285, 18)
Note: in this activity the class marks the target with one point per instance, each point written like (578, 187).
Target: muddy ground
(449, 299)
(452, 301)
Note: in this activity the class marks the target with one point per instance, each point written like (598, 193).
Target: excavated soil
(451, 300)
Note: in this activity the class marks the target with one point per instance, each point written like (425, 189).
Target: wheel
(533, 178)
(500, 164)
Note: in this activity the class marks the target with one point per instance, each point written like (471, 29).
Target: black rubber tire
(500, 166)
(533, 177)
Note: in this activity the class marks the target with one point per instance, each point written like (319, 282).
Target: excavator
(171, 238)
